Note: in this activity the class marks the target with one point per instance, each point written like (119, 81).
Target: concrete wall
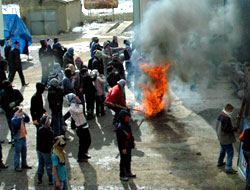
(74, 14)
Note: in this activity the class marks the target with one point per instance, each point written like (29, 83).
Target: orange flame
(153, 101)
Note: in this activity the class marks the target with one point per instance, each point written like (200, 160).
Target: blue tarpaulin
(15, 29)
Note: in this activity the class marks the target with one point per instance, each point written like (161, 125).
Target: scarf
(58, 150)
(227, 113)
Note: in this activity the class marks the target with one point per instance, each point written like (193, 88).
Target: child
(99, 85)
(126, 143)
(58, 164)
(19, 130)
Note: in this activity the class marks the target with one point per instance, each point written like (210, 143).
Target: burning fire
(153, 101)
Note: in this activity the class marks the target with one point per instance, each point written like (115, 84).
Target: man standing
(126, 143)
(19, 131)
(44, 58)
(15, 64)
(55, 99)
(115, 98)
(10, 98)
(225, 132)
(89, 91)
(37, 109)
(44, 146)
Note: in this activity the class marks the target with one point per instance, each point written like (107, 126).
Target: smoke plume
(198, 36)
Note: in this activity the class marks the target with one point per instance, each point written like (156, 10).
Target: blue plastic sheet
(15, 29)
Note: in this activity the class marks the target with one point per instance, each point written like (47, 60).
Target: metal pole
(1, 22)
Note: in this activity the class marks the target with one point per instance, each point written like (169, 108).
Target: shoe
(50, 180)
(26, 84)
(26, 167)
(3, 166)
(221, 164)
(2, 141)
(39, 178)
(87, 156)
(231, 171)
(131, 175)
(10, 141)
(103, 114)
(18, 170)
(82, 160)
(123, 178)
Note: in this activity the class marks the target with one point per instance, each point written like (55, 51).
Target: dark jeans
(44, 160)
(84, 142)
(247, 158)
(125, 162)
(20, 148)
(226, 149)
(90, 101)
(99, 104)
(58, 124)
(12, 73)
(8, 118)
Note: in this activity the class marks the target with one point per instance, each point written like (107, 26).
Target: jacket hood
(127, 42)
(54, 83)
(70, 51)
(42, 42)
(105, 44)
(122, 83)
(98, 54)
(40, 87)
(123, 113)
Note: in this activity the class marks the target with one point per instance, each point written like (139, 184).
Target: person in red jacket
(116, 97)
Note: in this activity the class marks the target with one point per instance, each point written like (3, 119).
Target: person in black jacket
(59, 51)
(3, 64)
(37, 109)
(7, 49)
(44, 57)
(126, 143)
(245, 138)
(89, 90)
(15, 64)
(44, 146)
(97, 62)
(114, 42)
(55, 99)
(117, 65)
(10, 98)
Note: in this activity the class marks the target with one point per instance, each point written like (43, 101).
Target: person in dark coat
(7, 49)
(114, 43)
(10, 98)
(59, 51)
(44, 146)
(37, 107)
(97, 62)
(68, 82)
(3, 64)
(126, 143)
(44, 60)
(128, 63)
(15, 64)
(89, 91)
(68, 58)
(55, 99)
(94, 45)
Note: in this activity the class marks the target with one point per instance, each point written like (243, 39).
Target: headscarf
(54, 83)
(17, 45)
(70, 52)
(122, 83)
(98, 54)
(58, 149)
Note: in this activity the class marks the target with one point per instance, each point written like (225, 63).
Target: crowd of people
(87, 89)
